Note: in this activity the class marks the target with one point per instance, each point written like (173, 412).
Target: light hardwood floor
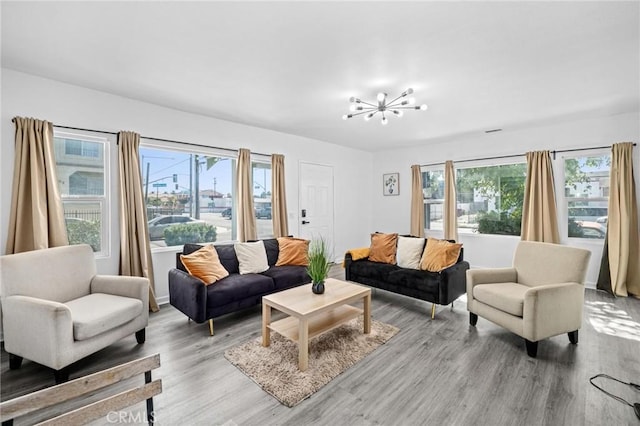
(439, 371)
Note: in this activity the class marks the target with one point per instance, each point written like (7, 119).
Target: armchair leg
(141, 336)
(573, 337)
(211, 327)
(15, 361)
(433, 310)
(473, 319)
(532, 348)
(61, 375)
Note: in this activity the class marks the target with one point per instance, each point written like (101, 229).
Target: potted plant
(318, 268)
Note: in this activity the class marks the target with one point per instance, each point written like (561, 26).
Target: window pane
(186, 194)
(490, 199)
(84, 223)
(433, 194)
(80, 171)
(262, 199)
(80, 166)
(587, 193)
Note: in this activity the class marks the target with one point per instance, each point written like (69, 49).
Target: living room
(611, 115)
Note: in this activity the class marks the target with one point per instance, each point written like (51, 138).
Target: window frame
(193, 149)
(266, 162)
(104, 200)
(563, 214)
(427, 202)
(496, 162)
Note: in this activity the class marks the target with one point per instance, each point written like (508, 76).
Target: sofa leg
(451, 306)
(211, 327)
(61, 375)
(473, 319)
(433, 310)
(15, 361)
(573, 337)
(141, 336)
(532, 348)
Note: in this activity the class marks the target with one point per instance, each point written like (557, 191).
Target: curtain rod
(519, 155)
(156, 139)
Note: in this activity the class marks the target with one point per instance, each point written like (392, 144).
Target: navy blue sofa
(236, 292)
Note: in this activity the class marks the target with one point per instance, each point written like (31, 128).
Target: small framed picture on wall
(391, 184)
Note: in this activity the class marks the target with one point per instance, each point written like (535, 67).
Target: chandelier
(384, 106)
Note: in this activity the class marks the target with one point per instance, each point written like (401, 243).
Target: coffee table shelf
(289, 326)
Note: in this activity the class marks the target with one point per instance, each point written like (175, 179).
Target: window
(586, 190)
(433, 195)
(490, 198)
(185, 193)
(82, 168)
(262, 198)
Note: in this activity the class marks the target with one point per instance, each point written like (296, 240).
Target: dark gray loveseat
(436, 287)
(236, 292)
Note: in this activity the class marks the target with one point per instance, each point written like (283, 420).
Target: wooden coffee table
(313, 314)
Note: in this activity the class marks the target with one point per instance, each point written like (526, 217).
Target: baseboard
(163, 300)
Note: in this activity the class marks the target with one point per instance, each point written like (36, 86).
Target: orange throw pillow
(383, 248)
(205, 265)
(439, 255)
(293, 251)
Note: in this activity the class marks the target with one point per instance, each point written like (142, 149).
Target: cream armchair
(541, 296)
(56, 310)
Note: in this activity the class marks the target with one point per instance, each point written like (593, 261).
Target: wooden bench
(82, 386)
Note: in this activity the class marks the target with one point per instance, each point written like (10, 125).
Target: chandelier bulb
(409, 91)
(352, 99)
(411, 101)
(352, 107)
(423, 107)
(384, 121)
(344, 117)
(381, 97)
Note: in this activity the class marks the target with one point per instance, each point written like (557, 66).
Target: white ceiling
(292, 67)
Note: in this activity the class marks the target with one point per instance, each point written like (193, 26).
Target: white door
(316, 202)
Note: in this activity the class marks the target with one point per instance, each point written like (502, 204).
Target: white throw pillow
(409, 252)
(252, 257)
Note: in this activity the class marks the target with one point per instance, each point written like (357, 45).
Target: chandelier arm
(399, 97)
(371, 105)
(406, 107)
(363, 112)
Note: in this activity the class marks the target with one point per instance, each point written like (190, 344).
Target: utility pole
(191, 185)
(146, 188)
(197, 188)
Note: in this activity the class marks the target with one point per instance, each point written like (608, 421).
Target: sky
(163, 164)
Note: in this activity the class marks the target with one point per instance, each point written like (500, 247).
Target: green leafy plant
(318, 268)
(500, 223)
(177, 235)
(84, 232)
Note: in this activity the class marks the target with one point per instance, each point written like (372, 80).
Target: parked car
(263, 213)
(593, 230)
(157, 225)
(603, 220)
(226, 213)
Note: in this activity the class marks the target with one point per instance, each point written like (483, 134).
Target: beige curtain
(450, 203)
(278, 197)
(135, 250)
(417, 202)
(622, 247)
(246, 215)
(539, 213)
(36, 220)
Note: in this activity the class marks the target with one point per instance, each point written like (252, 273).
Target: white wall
(392, 214)
(30, 96)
